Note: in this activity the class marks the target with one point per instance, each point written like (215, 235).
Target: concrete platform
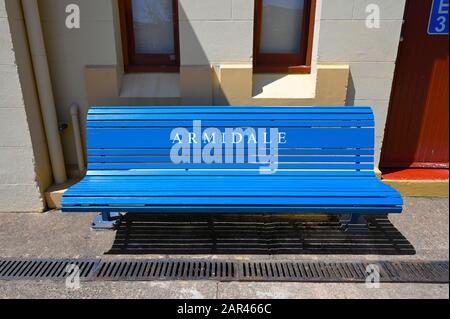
(220, 290)
(425, 223)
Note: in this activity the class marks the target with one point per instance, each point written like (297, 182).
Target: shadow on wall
(351, 91)
(266, 80)
(25, 71)
(199, 77)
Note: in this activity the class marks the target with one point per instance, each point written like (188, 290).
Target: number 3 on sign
(438, 23)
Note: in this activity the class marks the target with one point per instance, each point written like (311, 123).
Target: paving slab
(52, 234)
(109, 290)
(259, 290)
(212, 290)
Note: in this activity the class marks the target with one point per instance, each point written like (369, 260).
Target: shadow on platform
(254, 234)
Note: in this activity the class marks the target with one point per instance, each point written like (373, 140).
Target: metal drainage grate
(166, 270)
(424, 272)
(146, 270)
(304, 271)
(29, 269)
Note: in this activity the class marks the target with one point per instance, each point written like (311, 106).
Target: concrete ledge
(285, 86)
(150, 85)
(425, 188)
(377, 172)
(237, 85)
(54, 193)
(106, 85)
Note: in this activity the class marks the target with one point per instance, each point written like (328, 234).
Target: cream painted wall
(69, 51)
(25, 170)
(371, 53)
(98, 43)
(214, 33)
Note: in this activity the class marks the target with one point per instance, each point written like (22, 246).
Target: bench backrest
(135, 139)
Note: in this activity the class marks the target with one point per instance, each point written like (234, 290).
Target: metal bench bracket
(106, 221)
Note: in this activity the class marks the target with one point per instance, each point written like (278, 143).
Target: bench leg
(106, 220)
(354, 223)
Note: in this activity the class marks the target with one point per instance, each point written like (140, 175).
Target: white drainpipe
(44, 87)
(77, 137)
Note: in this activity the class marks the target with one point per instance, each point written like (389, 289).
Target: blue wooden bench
(324, 161)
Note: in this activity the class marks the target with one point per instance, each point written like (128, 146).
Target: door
(416, 134)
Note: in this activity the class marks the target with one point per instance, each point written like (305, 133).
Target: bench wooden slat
(296, 138)
(168, 173)
(230, 200)
(233, 109)
(182, 209)
(282, 158)
(201, 192)
(127, 166)
(281, 152)
(229, 117)
(232, 123)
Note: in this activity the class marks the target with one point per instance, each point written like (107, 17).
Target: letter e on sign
(438, 23)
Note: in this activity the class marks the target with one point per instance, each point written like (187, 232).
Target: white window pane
(153, 26)
(281, 26)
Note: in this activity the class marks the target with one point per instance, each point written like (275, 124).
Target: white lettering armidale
(229, 145)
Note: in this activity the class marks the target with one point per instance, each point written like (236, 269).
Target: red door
(416, 134)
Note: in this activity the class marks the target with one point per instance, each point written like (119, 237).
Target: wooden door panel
(432, 150)
(417, 126)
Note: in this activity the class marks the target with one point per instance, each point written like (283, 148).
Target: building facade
(58, 57)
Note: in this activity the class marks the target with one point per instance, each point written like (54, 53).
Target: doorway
(416, 134)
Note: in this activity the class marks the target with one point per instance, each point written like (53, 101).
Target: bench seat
(192, 193)
(324, 160)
